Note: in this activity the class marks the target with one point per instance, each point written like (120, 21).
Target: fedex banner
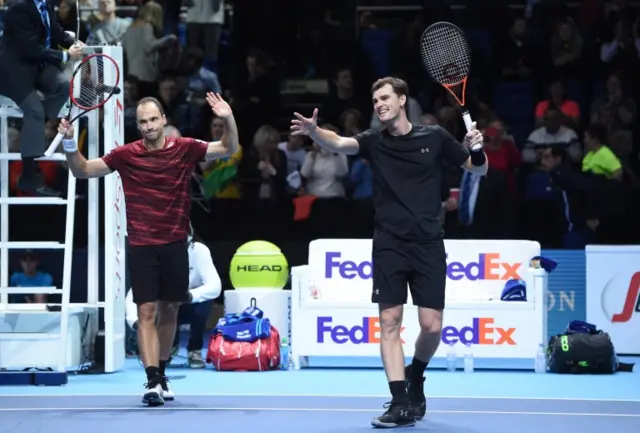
(356, 332)
(479, 330)
(476, 270)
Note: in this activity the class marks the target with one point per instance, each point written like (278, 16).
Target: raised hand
(218, 105)
(65, 128)
(303, 125)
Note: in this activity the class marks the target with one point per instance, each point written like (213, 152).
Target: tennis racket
(446, 56)
(94, 81)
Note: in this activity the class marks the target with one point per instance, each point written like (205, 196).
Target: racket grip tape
(469, 124)
(54, 145)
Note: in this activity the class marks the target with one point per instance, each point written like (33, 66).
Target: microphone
(102, 88)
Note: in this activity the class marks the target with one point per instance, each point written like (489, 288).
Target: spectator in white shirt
(293, 148)
(295, 152)
(553, 132)
(204, 287)
(324, 172)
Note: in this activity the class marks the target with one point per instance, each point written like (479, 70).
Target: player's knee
(168, 310)
(430, 320)
(146, 313)
(390, 321)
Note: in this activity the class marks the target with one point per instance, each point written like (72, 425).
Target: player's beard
(153, 137)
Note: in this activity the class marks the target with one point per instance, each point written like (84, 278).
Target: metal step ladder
(9, 110)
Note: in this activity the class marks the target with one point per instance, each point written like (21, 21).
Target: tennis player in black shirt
(408, 247)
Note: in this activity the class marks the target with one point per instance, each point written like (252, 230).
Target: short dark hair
(195, 54)
(399, 86)
(598, 131)
(151, 100)
(559, 150)
(164, 78)
(337, 71)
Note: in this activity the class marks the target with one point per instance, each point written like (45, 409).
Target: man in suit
(31, 60)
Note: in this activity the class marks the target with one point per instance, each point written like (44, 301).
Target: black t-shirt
(407, 178)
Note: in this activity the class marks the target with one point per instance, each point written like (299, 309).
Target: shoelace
(164, 383)
(149, 385)
(389, 405)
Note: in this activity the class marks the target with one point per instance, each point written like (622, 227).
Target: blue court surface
(325, 401)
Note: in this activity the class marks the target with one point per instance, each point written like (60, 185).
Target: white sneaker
(195, 359)
(153, 395)
(167, 392)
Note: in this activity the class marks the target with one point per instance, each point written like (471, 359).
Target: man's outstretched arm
(323, 137)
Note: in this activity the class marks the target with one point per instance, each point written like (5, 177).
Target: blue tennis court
(326, 400)
(310, 414)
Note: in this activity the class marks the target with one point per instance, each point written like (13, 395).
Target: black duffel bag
(579, 353)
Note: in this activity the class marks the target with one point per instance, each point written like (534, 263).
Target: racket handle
(467, 120)
(54, 145)
(469, 124)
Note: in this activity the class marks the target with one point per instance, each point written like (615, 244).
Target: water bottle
(451, 357)
(468, 359)
(290, 365)
(541, 360)
(284, 354)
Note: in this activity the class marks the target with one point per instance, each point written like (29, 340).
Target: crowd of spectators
(551, 87)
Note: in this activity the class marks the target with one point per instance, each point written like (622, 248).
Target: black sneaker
(398, 414)
(417, 399)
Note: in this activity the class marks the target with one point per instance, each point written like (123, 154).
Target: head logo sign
(488, 266)
(631, 299)
(368, 332)
(480, 332)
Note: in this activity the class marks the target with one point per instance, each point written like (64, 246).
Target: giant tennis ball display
(259, 265)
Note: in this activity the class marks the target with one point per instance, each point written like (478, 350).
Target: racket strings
(445, 54)
(94, 82)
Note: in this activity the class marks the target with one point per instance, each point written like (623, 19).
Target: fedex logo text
(368, 332)
(488, 266)
(481, 331)
(347, 269)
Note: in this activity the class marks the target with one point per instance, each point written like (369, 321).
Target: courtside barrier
(332, 315)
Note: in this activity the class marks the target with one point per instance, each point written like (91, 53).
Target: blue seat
(481, 41)
(520, 129)
(375, 43)
(514, 101)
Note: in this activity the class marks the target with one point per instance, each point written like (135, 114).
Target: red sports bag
(259, 355)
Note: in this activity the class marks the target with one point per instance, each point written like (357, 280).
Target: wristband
(478, 158)
(69, 146)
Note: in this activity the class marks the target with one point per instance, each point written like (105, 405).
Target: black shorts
(159, 272)
(422, 266)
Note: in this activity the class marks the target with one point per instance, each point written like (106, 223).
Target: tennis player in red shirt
(156, 173)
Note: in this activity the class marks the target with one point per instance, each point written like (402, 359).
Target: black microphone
(102, 88)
